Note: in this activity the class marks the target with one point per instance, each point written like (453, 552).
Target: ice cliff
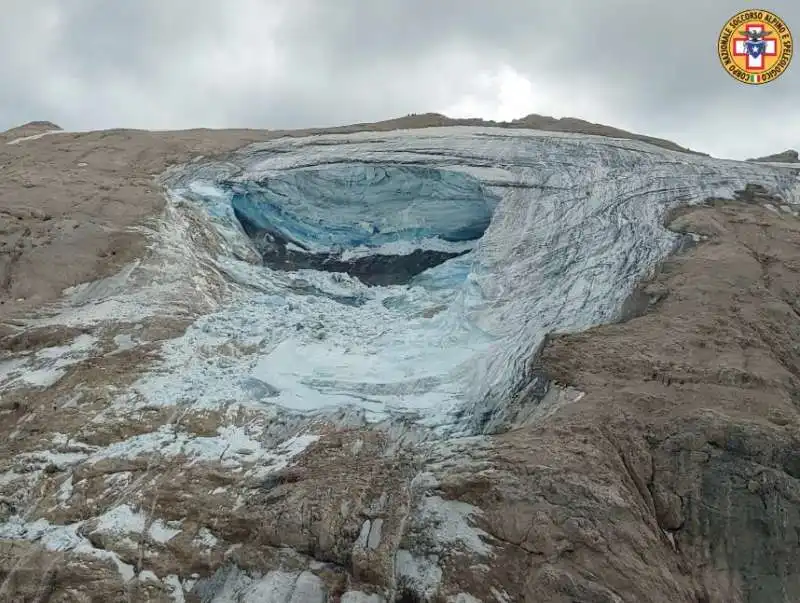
(412, 273)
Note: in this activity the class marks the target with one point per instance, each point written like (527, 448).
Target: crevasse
(535, 232)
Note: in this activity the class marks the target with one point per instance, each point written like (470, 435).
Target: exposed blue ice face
(553, 232)
(343, 207)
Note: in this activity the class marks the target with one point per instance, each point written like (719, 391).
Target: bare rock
(788, 156)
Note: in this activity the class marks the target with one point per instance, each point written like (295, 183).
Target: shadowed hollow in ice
(347, 206)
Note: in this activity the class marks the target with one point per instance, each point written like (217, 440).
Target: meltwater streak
(575, 222)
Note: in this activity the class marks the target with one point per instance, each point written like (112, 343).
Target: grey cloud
(646, 65)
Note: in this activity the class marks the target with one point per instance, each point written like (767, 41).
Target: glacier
(511, 234)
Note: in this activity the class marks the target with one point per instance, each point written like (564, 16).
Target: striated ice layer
(346, 206)
(558, 229)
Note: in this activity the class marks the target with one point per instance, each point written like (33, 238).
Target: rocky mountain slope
(554, 398)
(789, 156)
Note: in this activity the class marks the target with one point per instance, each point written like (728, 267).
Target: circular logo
(755, 46)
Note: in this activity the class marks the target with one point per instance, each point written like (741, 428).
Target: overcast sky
(644, 65)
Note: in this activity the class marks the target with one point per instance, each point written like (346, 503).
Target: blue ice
(340, 207)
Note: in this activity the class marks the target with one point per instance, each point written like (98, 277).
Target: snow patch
(123, 520)
(65, 491)
(173, 583)
(35, 136)
(421, 575)
(235, 586)
(61, 538)
(45, 367)
(234, 447)
(450, 522)
(205, 539)
(356, 596)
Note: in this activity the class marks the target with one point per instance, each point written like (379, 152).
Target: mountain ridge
(532, 121)
(650, 458)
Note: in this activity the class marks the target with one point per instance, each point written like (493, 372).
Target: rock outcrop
(654, 459)
(699, 398)
(789, 156)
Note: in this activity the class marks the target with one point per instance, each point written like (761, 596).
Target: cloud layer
(646, 66)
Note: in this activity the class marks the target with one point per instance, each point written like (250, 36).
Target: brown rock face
(69, 203)
(653, 460)
(788, 156)
(697, 400)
